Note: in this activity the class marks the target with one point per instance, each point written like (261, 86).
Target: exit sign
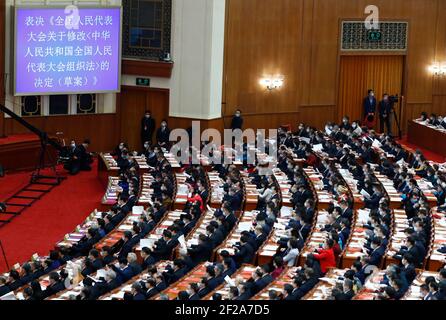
(143, 82)
(374, 35)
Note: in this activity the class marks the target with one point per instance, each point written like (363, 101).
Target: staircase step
(36, 190)
(17, 205)
(46, 183)
(25, 197)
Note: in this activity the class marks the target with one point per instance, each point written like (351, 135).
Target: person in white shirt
(291, 253)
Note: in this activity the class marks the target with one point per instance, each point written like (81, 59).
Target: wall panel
(99, 128)
(302, 43)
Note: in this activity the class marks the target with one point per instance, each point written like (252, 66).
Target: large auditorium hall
(244, 155)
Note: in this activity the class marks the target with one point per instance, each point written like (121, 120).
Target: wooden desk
(106, 167)
(216, 189)
(173, 162)
(80, 231)
(414, 292)
(119, 292)
(400, 223)
(200, 228)
(21, 152)
(317, 236)
(180, 198)
(251, 193)
(234, 236)
(322, 290)
(437, 260)
(110, 197)
(193, 276)
(168, 220)
(116, 234)
(269, 248)
(372, 286)
(354, 248)
(427, 137)
(245, 272)
(285, 278)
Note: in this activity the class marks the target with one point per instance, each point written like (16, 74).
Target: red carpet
(428, 154)
(19, 138)
(49, 219)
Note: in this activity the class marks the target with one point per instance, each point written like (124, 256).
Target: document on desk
(146, 243)
(100, 273)
(365, 194)
(230, 281)
(244, 226)
(137, 209)
(286, 211)
(318, 147)
(376, 144)
(182, 242)
(363, 215)
(279, 226)
(8, 296)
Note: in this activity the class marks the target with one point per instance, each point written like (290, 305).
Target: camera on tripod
(394, 99)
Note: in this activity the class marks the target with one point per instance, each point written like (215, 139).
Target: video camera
(394, 99)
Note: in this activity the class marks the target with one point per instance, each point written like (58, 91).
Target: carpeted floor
(428, 154)
(49, 219)
(19, 138)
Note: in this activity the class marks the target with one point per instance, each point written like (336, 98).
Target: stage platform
(21, 152)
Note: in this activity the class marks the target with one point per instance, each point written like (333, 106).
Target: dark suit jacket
(369, 107)
(52, 290)
(136, 268)
(384, 108)
(201, 252)
(262, 283)
(236, 123)
(4, 290)
(410, 273)
(151, 292)
(376, 256)
(195, 297)
(92, 266)
(125, 274)
(127, 247)
(259, 240)
(244, 255)
(108, 259)
(217, 238)
(150, 126)
(162, 136)
(139, 297)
